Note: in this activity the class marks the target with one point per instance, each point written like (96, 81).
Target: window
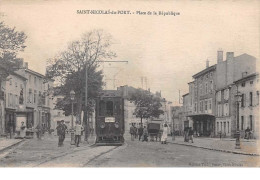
(243, 100)
(10, 82)
(195, 107)
(228, 126)
(30, 96)
(201, 89)
(251, 82)
(224, 127)
(243, 84)
(16, 100)
(35, 81)
(109, 108)
(201, 106)
(219, 109)
(206, 88)
(219, 96)
(251, 122)
(211, 74)
(35, 96)
(30, 79)
(257, 94)
(251, 99)
(217, 126)
(226, 109)
(226, 94)
(210, 104)
(242, 122)
(221, 126)
(206, 105)
(210, 86)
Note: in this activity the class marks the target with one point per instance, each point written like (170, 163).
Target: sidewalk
(8, 143)
(250, 147)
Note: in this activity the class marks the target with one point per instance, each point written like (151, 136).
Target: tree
(69, 69)
(11, 42)
(147, 105)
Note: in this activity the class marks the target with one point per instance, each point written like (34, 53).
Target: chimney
(20, 61)
(230, 56)
(26, 65)
(220, 56)
(207, 63)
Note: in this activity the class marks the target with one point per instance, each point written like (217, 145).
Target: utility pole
(85, 118)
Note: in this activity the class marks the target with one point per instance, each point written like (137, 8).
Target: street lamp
(72, 97)
(238, 98)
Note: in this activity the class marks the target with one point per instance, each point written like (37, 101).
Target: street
(46, 153)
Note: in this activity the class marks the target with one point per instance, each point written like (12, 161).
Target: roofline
(14, 73)
(185, 94)
(204, 71)
(35, 73)
(246, 78)
(20, 76)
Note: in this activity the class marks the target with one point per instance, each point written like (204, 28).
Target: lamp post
(72, 97)
(238, 98)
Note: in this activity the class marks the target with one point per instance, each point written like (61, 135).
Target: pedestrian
(135, 132)
(145, 134)
(79, 128)
(132, 132)
(61, 130)
(220, 135)
(140, 132)
(164, 134)
(186, 131)
(39, 131)
(191, 132)
(247, 133)
(22, 130)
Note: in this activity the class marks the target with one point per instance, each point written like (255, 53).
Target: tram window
(109, 108)
(102, 107)
(117, 108)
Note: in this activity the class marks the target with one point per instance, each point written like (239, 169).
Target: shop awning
(201, 115)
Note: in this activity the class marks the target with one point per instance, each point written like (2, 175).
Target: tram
(109, 124)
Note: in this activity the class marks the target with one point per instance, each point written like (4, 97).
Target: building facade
(248, 114)
(202, 100)
(212, 95)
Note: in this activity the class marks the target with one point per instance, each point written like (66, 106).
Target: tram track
(64, 154)
(105, 153)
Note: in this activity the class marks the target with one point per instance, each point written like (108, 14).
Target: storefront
(10, 121)
(203, 124)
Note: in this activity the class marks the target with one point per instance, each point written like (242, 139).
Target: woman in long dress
(165, 134)
(22, 130)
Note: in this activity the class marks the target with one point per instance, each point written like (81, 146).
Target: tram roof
(110, 93)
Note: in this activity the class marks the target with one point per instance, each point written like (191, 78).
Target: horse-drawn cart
(154, 131)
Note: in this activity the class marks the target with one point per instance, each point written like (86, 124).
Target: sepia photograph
(87, 83)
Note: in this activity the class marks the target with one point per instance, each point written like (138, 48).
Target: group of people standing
(188, 134)
(61, 131)
(142, 132)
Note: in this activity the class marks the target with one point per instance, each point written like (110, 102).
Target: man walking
(61, 130)
(145, 134)
(132, 132)
(191, 132)
(140, 132)
(79, 128)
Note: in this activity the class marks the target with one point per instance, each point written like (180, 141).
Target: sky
(167, 50)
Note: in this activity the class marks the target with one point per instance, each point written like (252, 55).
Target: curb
(9, 147)
(220, 150)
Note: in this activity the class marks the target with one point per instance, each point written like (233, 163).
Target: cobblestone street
(45, 153)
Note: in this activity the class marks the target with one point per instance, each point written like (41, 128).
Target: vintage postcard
(129, 83)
